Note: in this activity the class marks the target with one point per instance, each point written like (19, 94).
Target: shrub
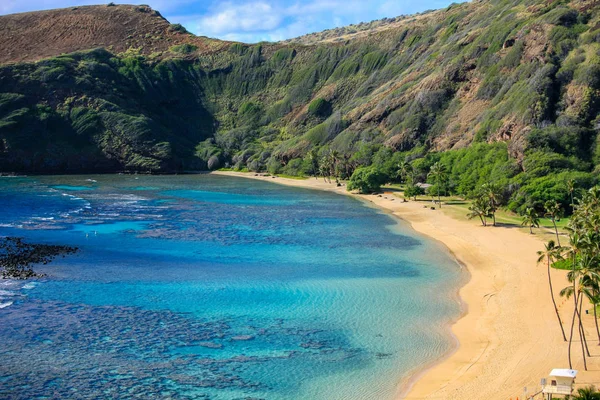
(319, 108)
(366, 180)
(185, 48)
(178, 28)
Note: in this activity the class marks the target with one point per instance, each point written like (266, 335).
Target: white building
(560, 382)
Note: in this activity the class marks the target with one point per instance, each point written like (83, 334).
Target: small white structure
(560, 382)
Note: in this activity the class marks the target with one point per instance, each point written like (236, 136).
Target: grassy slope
(475, 72)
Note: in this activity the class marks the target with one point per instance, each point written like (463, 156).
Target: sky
(253, 21)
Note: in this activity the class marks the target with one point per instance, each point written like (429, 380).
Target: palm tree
(493, 192)
(571, 190)
(325, 168)
(405, 169)
(555, 212)
(479, 208)
(439, 173)
(313, 157)
(551, 253)
(568, 292)
(590, 290)
(531, 219)
(584, 276)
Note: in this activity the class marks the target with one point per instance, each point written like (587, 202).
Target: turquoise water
(209, 287)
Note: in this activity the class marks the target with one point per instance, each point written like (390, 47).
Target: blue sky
(255, 20)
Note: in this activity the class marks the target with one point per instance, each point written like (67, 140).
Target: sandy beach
(508, 336)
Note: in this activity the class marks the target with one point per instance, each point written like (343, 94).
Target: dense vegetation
(500, 91)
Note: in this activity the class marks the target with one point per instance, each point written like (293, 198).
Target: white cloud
(249, 17)
(272, 20)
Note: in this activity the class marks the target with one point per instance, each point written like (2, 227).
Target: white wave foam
(4, 305)
(29, 286)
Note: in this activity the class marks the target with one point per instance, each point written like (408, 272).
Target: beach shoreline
(507, 334)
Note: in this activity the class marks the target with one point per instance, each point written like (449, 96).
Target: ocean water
(211, 287)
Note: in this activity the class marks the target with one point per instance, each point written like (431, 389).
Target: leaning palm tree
(439, 173)
(531, 219)
(479, 208)
(555, 212)
(550, 253)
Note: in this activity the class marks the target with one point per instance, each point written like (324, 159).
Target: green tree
(405, 171)
(531, 219)
(554, 211)
(571, 190)
(313, 159)
(366, 180)
(480, 208)
(493, 192)
(439, 173)
(413, 190)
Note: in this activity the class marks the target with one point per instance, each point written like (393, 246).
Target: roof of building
(424, 185)
(566, 373)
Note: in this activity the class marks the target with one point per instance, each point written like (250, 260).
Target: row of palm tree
(583, 257)
(330, 165)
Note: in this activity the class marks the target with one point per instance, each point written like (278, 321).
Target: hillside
(37, 35)
(498, 90)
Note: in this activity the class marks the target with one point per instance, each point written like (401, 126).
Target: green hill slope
(497, 90)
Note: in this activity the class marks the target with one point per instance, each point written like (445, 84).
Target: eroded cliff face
(154, 98)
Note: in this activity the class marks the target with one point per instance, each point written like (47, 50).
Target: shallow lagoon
(215, 287)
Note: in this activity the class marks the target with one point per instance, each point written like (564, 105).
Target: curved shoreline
(507, 334)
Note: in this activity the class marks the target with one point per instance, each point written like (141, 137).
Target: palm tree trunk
(556, 230)
(438, 190)
(481, 218)
(596, 321)
(555, 307)
(494, 216)
(582, 337)
(572, 201)
(571, 336)
(530, 230)
(581, 330)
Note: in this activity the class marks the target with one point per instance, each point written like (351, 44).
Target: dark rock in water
(313, 345)
(242, 338)
(383, 355)
(211, 345)
(17, 258)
